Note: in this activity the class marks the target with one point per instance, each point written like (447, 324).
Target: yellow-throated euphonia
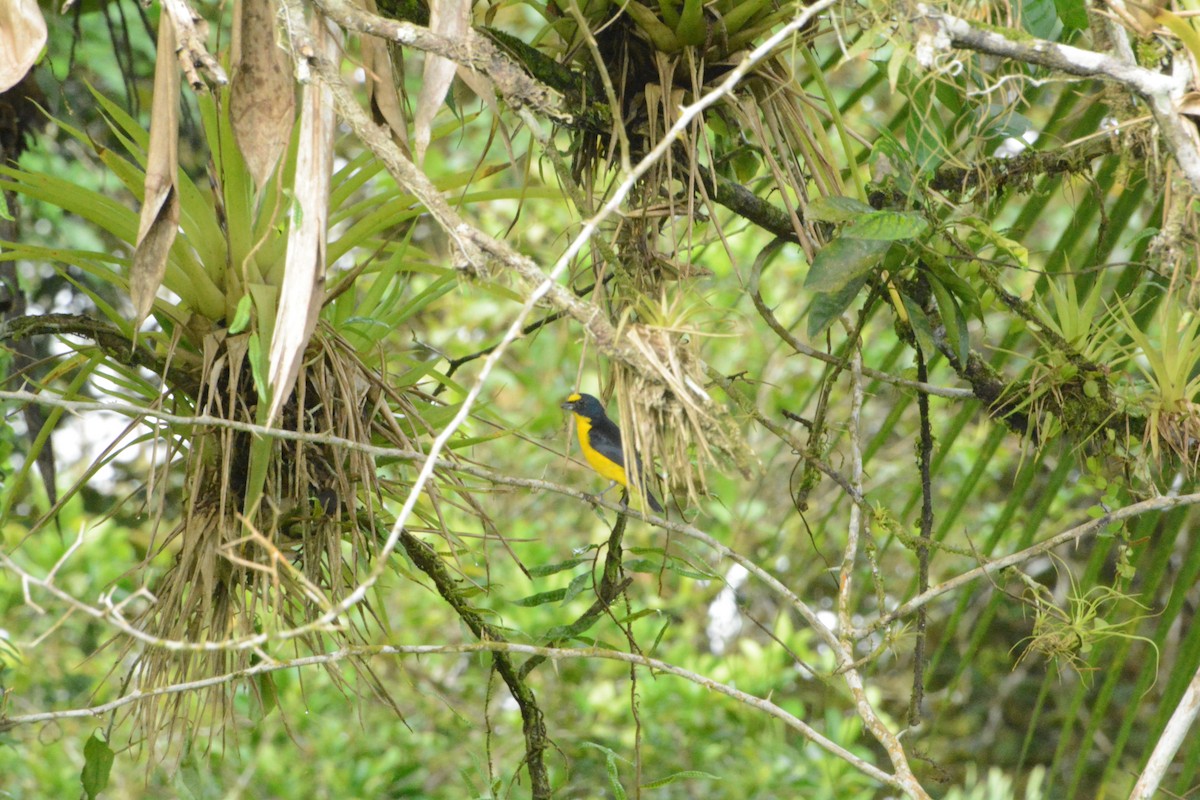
(600, 439)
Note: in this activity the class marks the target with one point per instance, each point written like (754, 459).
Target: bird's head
(584, 405)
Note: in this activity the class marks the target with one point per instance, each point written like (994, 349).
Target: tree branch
(533, 722)
(108, 338)
(994, 174)
(856, 529)
(1169, 743)
(610, 588)
(747, 205)
(924, 459)
(191, 29)
(553, 653)
(112, 614)
(516, 86)
(938, 31)
(1074, 534)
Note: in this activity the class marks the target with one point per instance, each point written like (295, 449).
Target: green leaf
(541, 598)
(610, 765)
(576, 586)
(683, 572)
(614, 779)
(889, 156)
(419, 372)
(951, 91)
(963, 291)
(687, 774)
(257, 368)
(435, 291)
(715, 122)
(842, 261)
(438, 417)
(1073, 13)
(192, 779)
(97, 764)
(635, 616)
(658, 636)
(1003, 121)
(746, 164)
(1015, 249)
(608, 752)
(241, 317)
(551, 569)
(924, 131)
(953, 318)
(101, 211)
(267, 692)
(828, 306)
(886, 226)
(680, 566)
(837, 209)
(1040, 17)
(471, 441)
(920, 327)
(1145, 233)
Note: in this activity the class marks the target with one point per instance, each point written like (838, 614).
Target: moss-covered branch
(534, 725)
(993, 175)
(111, 340)
(1163, 94)
(611, 586)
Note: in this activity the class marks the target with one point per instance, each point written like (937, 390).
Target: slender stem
(511, 648)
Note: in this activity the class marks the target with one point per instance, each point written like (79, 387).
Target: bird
(600, 439)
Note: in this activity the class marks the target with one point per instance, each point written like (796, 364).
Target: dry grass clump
(274, 532)
(667, 411)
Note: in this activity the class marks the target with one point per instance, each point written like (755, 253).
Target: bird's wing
(606, 440)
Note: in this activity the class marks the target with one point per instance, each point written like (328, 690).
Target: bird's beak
(567, 406)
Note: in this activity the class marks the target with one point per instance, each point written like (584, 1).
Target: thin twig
(552, 653)
(533, 721)
(1074, 534)
(855, 530)
(800, 347)
(747, 405)
(612, 585)
(113, 616)
(924, 460)
(1164, 94)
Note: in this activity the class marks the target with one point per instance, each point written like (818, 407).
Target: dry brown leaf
(1189, 104)
(450, 18)
(262, 100)
(303, 289)
(150, 258)
(22, 36)
(381, 83)
(160, 206)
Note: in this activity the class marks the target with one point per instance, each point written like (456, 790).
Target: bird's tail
(651, 499)
(645, 490)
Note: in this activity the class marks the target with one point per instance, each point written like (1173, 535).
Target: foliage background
(1074, 715)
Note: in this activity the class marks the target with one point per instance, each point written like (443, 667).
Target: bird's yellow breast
(607, 469)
